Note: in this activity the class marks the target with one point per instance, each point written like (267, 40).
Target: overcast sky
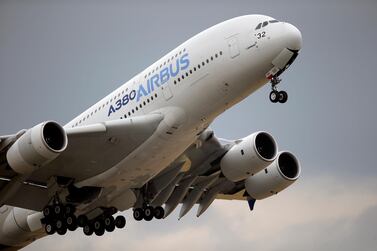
(59, 57)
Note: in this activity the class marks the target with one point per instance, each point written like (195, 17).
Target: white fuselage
(190, 86)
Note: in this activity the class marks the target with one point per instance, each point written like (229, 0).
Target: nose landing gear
(275, 95)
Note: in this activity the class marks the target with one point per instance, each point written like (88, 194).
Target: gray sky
(59, 57)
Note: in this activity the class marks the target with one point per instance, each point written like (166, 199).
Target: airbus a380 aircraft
(148, 145)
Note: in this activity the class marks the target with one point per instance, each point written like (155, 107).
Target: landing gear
(59, 218)
(138, 214)
(148, 212)
(49, 228)
(159, 213)
(98, 226)
(275, 95)
(283, 96)
(88, 230)
(120, 221)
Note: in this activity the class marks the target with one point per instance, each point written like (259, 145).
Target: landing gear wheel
(82, 220)
(109, 223)
(138, 214)
(88, 230)
(69, 209)
(98, 227)
(274, 96)
(57, 209)
(283, 97)
(71, 222)
(49, 228)
(59, 224)
(62, 231)
(158, 213)
(120, 221)
(99, 232)
(148, 213)
(47, 211)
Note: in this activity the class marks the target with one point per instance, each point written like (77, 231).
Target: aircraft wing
(195, 178)
(91, 150)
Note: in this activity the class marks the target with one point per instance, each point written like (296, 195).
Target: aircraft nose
(294, 37)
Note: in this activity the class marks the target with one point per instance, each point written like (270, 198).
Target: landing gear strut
(275, 95)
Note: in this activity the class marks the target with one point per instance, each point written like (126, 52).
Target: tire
(283, 97)
(158, 213)
(82, 220)
(274, 96)
(138, 214)
(69, 209)
(109, 223)
(62, 231)
(59, 224)
(47, 211)
(98, 225)
(120, 221)
(50, 229)
(148, 213)
(99, 232)
(87, 229)
(57, 209)
(71, 222)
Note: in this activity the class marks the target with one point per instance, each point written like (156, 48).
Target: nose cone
(294, 37)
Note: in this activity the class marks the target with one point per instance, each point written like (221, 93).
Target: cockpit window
(265, 23)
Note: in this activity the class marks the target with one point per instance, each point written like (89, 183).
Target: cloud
(324, 213)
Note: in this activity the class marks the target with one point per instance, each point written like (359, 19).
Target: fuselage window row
(145, 76)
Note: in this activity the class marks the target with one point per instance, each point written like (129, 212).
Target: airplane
(147, 146)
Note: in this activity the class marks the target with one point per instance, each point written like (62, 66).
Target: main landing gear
(275, 95)
(148, 212)
(59, 218)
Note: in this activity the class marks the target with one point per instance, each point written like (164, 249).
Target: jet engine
(19, 226)
(283, 172)
(36, 147)
(248, 156)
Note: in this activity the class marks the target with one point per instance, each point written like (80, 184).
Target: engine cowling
(248, 156)
(19, 226)
(283, 172)
(36, 147)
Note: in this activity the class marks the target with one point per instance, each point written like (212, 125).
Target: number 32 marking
(261, 34)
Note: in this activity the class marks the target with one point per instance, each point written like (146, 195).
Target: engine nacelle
(248, 156)
(19, 226)
(36, 147)
(276, 177)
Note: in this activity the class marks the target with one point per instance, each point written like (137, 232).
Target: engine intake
(283, 172)
(36, 147)
(248, 156)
